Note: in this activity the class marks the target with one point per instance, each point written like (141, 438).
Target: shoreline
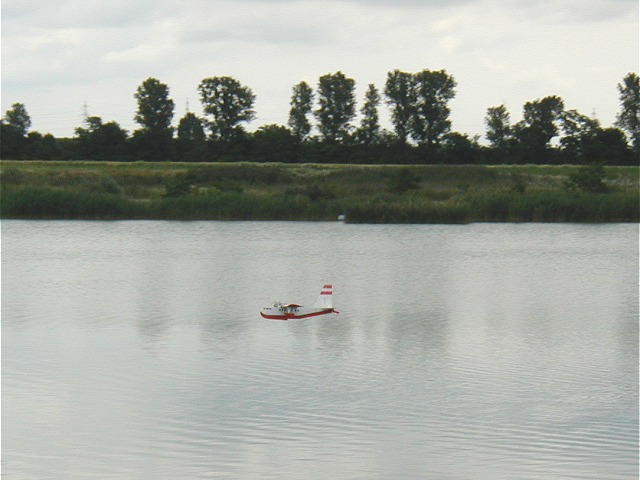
(420, 194)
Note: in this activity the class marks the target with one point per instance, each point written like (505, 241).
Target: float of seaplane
(293, 311)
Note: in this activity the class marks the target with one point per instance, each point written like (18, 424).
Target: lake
(484, 351)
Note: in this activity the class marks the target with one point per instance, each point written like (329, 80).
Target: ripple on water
(456, 355)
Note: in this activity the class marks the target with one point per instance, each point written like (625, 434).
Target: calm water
(135, 350)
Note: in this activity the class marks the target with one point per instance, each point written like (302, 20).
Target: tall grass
(505, 206)
(40, 202)
(554, 206)
(487, 207)
(243, 206)
(438, 194)
(62, 204)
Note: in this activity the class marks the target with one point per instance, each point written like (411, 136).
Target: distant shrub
(228, 186)
(12, 176)
(101, 183)
(589, 178)
(519, 183)
(239, 172)
(109, 185)
(313, 192)
(403, 180)
(178, 185)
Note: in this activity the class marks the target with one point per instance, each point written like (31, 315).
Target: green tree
(336, 108)
(430, 120)
(229, 104)
(191, 142)
(275, 143)
(154, 141)
(579, 135)
(102, 141)
(301, 105)
(369, 131)
(155, 108)
(18, 119)
(498, 124)
(190, 128)
(539, 126)
(458, 148)
(610, 146)
(42, 147)
(400, 97)
(629, 116)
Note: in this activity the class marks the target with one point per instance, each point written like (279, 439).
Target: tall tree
(18, 118)
(400, 97)
(610, 146)
(155, 108)
(101, 141)
(13, 130)
(336, 108)
(498, 124)
(301, 105)
(629, 116)
(579, 135)
(229, 103)
(42, 147)
(369, 130)
(191, 142)
(154, 141)
(275, 143)
(585, 141)
(190, 128)
(432, 91)
(539, 125)
(458, 148)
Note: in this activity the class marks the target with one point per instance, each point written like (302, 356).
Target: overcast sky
(59, 54)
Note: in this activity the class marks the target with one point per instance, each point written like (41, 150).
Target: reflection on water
(135, 350)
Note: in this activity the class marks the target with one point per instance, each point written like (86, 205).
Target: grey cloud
(411, 3)
(572, 11)
(82, 14)
(258, 32)
(385, 3)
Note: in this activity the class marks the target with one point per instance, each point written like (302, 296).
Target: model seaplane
(293, 311)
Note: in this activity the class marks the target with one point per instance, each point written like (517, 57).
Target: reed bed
(365, 194)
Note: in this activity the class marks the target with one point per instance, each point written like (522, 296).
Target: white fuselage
(278, 311)
(289, 311)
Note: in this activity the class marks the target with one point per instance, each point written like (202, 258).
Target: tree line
(322, 127)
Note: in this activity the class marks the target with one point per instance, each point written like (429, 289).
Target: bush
(313, 192)
(403, 181)
(12, 176)
(102, 184)
(178, 185)
(239, 172)
(589, 178)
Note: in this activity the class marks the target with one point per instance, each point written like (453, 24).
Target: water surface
(135, 350)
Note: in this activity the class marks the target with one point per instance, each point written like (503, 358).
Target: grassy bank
(368, 194)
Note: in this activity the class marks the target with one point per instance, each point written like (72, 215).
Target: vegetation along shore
(554, 165)
(318, 192)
